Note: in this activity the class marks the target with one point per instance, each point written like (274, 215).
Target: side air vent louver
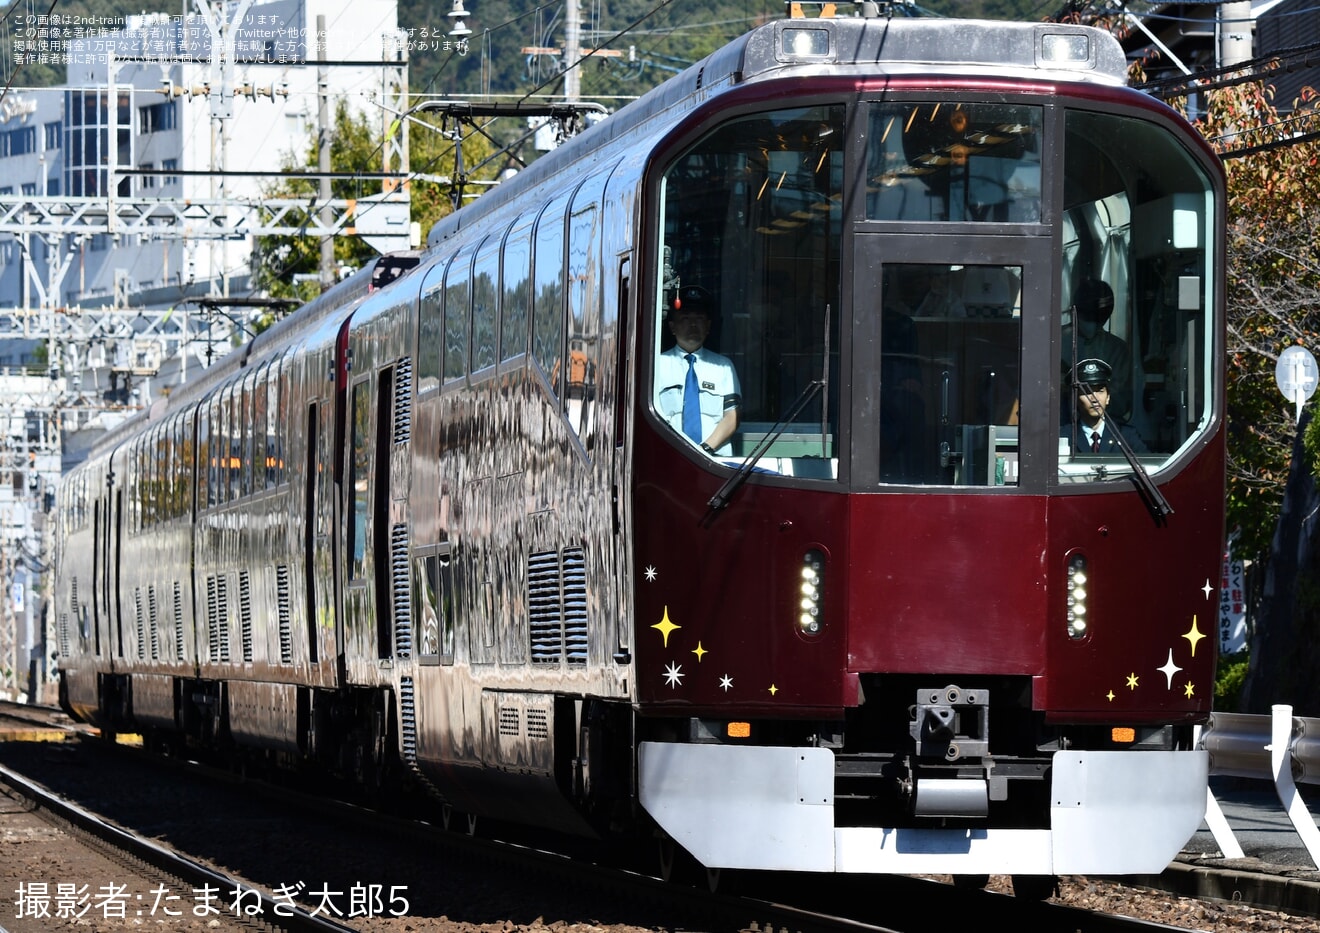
(575, 605)
(508, 720)
(408, 720)
(141, 626)
(212, 620)
(62, 633)
(245, 612)
(557, 606)
(402, 592)
(153, 623)
(222, 614)
(284, 618)
(545, 622)
(178, 622)
(403, 373)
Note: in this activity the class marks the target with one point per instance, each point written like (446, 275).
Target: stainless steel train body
(902, 622)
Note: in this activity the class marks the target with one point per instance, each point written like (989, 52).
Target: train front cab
(910, 623)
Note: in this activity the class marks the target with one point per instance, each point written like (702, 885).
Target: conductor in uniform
(1092, 430)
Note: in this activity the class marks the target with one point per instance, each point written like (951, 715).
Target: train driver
(696, 389)
(1093, 429)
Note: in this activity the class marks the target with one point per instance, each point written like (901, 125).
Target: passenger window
(485, 304)
(517, 290)
(583, 311)
(457, 313)
(548, 292)
(433, 597)
(359, 471)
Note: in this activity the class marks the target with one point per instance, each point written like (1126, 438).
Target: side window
(234, 397)
(359, 469)
(749, 251)
(458, 296)
(516, 281)
(431, 331)
(583, 308)
(206, 428)
(276, 418)
(485, 303)
(245, 431)
(433, 602)
(548, 291)
(260, 422)
(1135, 351)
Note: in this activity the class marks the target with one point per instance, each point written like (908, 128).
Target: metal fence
(1281, 748)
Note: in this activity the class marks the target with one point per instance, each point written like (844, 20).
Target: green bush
(1229, 678)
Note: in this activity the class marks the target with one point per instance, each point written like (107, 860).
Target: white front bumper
(772, 808)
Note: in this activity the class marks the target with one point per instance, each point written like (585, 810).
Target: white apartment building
(149, 112)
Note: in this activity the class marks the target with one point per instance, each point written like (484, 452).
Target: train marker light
(1123, 735)
(1076, 596)
(811, 590)
(739, 730)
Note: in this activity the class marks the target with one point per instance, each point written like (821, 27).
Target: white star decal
(1207, 589)
(650, 574)
(726, 683)
(673, 674)
(1169, 669)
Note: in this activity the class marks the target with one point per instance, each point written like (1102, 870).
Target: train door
(100, 588)
(620, 474)
(961, 325)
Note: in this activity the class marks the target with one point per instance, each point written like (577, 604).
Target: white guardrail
(1281, 748)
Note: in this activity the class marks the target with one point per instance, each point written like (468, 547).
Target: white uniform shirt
(716, 378)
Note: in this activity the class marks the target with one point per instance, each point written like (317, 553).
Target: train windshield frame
(902, 272)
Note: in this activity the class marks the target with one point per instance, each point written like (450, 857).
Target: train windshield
(1136, 351)
(752, 220)
(1029, 294)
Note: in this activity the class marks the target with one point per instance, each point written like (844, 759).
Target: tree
(288, 266)
(1273, 294)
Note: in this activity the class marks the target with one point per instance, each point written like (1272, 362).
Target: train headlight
(802, 42)
(811, 590)
(1064, 49)
(1076, 601)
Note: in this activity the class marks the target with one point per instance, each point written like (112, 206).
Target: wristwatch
(708, 449)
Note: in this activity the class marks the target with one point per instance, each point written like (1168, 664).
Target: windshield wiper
(721, 498)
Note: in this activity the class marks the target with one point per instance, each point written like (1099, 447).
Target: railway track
(243, 834)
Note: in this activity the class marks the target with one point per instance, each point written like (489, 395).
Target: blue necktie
(692, 402)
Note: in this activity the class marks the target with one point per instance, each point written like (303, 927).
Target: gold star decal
(1189, 690)
(699, 651)
(1132, 681)
(773, 689)
(1194, 635)
(1110, 696)
(665, 626)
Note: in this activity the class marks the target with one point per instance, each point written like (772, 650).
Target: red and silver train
(891, 613)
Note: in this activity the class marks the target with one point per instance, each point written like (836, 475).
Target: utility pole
(572, 51)
(323, 154)
(1236, 31)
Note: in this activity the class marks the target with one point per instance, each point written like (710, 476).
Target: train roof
(859, 45)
